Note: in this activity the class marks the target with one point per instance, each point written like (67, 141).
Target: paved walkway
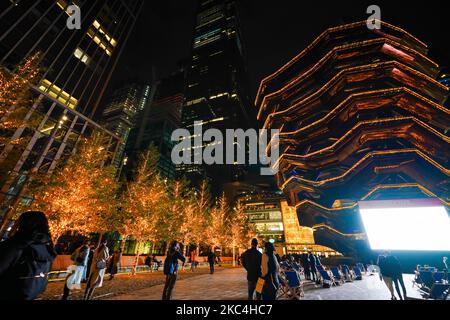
(231, 284)
(370, 288)
(226, 284)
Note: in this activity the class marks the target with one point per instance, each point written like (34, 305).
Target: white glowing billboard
(411, 225)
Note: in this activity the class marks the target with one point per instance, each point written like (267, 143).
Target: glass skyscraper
(216, 84)
(76, 68)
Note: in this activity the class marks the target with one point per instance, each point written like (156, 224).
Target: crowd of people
(27, 256)
(265, 268)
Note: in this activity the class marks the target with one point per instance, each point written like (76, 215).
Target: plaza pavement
(231, 284)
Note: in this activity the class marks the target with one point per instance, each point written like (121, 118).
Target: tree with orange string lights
(143, 202)
(202, 198)
(218, 229)
(80, 195)
(241, 230)
(15, 99)
(172, 223)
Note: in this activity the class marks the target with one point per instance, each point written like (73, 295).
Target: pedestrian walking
(270, 272)
(306, 268)
(171, 269)
(397, 275)
(98, 269)
(87, 271)
(80, 259)
(211, 261)
(313, 266)
(386, 273)
(115, 263)
(26, 258)
(193, 260)
(251, 261)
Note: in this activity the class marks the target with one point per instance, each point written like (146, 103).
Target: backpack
(169, 265)
(32, 271)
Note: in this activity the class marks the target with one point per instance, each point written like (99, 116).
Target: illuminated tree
(189, 222)
(218, 229)
(203, 207)
(80, 195)
(241, 231)
(15, 99)
(143, 202)
(172, 225)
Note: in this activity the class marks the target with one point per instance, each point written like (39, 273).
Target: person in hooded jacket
(26, 258)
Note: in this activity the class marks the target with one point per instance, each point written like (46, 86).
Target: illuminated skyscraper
(216, 87)
(121, 113)
(361, 117)
(157, 122)
(76, 68)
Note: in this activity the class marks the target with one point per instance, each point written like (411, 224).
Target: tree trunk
(136, 261)
(185, 250)
(123, 243)
(153, 247)
(100, 238)
(234, 256)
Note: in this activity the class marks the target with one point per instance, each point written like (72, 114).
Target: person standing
(171, 269)
(98, 268)
(312, 265)
(306, 268)
(270, 272)
(251, 261)
(80, 258)
(193, 259)
(386, 273)
(211, 261)
(87, 270)
(26, 258)
(148, 261)
(115, 263)
(397, 275)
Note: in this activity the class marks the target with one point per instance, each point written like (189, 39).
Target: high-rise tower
(77, 65)
(216, 87)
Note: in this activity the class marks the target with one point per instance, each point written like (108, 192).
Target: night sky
(273, 32)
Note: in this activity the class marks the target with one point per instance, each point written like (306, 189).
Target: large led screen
(418, 225)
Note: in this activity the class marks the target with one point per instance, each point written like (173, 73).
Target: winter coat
(251, 261)
(97, 274)
(11, 256)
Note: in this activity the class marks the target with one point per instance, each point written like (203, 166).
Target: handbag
(260, 285)
(101, 264)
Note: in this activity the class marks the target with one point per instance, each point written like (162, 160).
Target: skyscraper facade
(361, 117)
(216, 85)
(160, 117)
(121, 113)
(77, 65)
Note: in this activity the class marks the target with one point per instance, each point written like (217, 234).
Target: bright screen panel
(411, 225)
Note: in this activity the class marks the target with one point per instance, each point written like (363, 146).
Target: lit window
(63, 5)
(104, 41)
(55, 92)
(80, 54)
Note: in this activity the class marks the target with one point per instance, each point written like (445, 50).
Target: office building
(156, 123)
(77, 65)
(216, 84)
(121, 113)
